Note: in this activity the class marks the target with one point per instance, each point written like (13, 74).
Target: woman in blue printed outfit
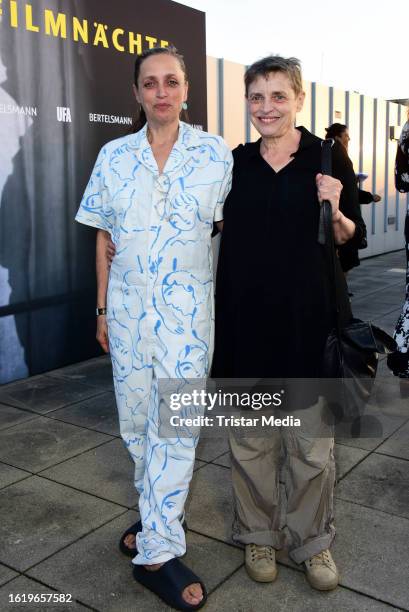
(156, 194)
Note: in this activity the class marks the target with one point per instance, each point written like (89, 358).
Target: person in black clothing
(348, 253)
(273, 316)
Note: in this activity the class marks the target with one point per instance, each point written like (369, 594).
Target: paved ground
(65, 495)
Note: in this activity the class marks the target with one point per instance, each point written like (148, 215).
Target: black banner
(66, 72)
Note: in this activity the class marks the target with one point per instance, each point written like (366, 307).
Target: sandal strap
(169, 582)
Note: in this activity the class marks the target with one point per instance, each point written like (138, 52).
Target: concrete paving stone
(99, 413)
(380, 482)
(6, 574)
(9, 474)
(394, 313)
(10, 416)
(398, 444)
(106, 471)
(392, 412)
(109, 586)
(373, 317)
(346, 457)
(40, 517)
(210, 448)
(394, 267)
(371, 286)
(210, 504)
(366, 315)
(392, 386)
(391, 398)
(24, 586)
(369, 307)
(372, 553)
(387, 322)
(289, 593)
(390, 298)
(378, 298)
(42, 393)
(386, 377)
(375, 427)
(96, 372)
(44, 442)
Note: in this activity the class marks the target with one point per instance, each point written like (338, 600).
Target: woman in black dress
(348, 253)
(273, 315)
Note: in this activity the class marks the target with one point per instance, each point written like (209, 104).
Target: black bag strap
(326, 168)
(326, 233)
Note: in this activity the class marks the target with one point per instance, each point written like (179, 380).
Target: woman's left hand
(329, 188)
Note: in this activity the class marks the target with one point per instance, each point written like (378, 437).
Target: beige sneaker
(261, 563)
(321, 571)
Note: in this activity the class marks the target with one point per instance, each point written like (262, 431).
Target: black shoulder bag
(352, 347)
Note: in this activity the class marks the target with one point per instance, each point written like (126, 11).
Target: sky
(355, 45)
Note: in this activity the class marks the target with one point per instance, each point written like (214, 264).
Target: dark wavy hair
(140, 119)
(334, 130)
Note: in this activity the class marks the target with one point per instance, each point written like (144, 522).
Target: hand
(329, 188)
(102, 332)
(111, 251)
(377, 198)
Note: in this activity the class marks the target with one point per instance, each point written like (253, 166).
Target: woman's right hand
(102, 332)
(110, 251)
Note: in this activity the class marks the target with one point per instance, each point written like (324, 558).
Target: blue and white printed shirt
(161, 225)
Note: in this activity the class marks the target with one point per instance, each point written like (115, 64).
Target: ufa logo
(63, 114)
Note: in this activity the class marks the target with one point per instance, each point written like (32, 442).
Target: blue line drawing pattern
(160, 309)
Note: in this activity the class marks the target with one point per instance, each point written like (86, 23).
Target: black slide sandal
(169, 582)
(134, 529)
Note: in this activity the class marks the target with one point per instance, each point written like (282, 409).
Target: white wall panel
(353, 127)
(212, 95)
(321, 109)
(304, 116)
(367, 157)
(378, 240)
(233, 104)
(338, 110)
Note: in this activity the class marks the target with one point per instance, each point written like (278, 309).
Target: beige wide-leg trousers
(305, 521)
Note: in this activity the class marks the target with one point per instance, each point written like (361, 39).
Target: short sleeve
(91, 210)
(225, 185)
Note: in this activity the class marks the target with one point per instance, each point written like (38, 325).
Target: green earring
(184, 105)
